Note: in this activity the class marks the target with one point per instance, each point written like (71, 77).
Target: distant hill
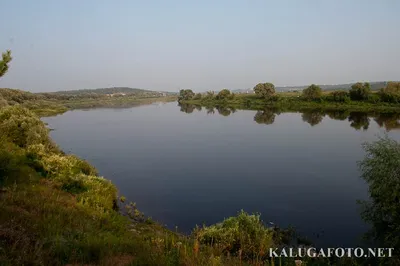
(113, 90)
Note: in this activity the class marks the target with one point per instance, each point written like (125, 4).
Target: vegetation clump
(313, 92)
(391, 93)
(360, 91)
(244, 235)
(341, 96)
(225, 94)
(264, 90)
(381, 170)
(185, 95)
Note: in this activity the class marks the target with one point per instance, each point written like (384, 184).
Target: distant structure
(116, 94)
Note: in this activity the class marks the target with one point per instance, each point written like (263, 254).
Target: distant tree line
(358, 92)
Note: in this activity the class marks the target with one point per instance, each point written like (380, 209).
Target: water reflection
(265, 117)
(358, 120)
(313, 117)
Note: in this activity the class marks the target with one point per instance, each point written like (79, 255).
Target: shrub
(22, 127)
(197, 96)
(264, 90)
(185, 95)
(313, 92)
(243, 232)
(223, 94)
(391, 93)
(380, 169)
(360, 91)
(374, 98)
(340, 96)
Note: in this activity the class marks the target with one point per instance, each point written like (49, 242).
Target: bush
(313, 92)
(340, 96)
(380, 169)
(243, 232)
(22, 127)
(197, 96)
(374, 98)
(391, 93)
(185, 95)
(360, 91)
(264, 90)
(223, 94)
(389, 97)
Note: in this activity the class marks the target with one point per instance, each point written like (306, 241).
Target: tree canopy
(264, 90)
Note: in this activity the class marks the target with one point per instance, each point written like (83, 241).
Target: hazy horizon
(199, 45)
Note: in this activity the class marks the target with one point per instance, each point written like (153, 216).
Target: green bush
(223, 94)
(264, 90)
(380, 169)
(22, 127)
(243, 233)
(313, 92)
(374, 98)
(197, 96)
(360, 91)
(340, 96)
(389, 97)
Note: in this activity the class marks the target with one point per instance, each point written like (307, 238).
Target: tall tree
(6, 59)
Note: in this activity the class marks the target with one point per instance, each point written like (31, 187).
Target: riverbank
(294, 102)
(45, 104)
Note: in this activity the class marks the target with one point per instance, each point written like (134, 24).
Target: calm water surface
(185, 167)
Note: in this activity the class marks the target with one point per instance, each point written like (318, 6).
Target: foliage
(313, 92)
(224, 95)
(381, 170)
(341, 96)
(391, 93)
(243, 234)
(209, 95)
(185, 95)
(22, 127)
(197, 96)
(264, 90)
(360, 91)
(6, 59)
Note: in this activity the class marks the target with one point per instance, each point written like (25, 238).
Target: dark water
(185, 166)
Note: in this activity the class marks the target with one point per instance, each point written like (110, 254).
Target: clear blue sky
(166, 45)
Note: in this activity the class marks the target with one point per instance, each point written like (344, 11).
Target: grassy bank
(48, 104)
(294, 102)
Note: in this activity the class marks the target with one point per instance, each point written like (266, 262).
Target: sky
(202, 45)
